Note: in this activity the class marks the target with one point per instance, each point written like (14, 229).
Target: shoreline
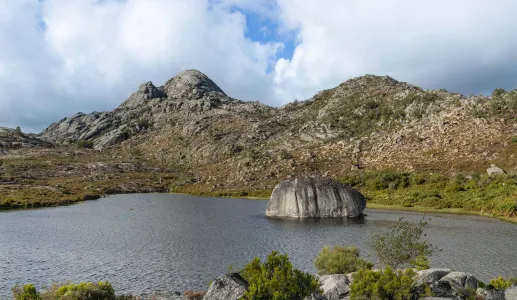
(451, 211)
(370, 205)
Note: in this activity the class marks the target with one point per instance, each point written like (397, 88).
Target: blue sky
(59, 57)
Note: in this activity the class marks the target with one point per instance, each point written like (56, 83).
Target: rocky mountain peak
(150, 91)
(191, 81)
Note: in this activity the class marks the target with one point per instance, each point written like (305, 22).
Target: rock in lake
(305, 197)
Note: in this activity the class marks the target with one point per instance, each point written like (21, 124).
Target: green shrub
(87, 291)
(340, 260)
(384, 284)
(498, 92)
(285, 155)
(69, 291)
(401, 244)
(421, 262)
(26, 292)
(84, 144)
(502, 284)
(277, 280)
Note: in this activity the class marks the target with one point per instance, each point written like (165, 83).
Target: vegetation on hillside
(485, 194)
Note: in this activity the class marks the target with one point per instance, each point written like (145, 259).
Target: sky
(59, 57)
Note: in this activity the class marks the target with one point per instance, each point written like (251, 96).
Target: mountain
(150, 108)
(373, 122)
(189, 136)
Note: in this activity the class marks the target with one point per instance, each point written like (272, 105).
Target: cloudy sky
(58, 57)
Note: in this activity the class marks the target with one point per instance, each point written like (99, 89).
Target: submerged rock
(315, 197)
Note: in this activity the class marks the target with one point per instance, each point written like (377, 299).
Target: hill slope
(367, 124)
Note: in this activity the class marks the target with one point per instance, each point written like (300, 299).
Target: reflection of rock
(315, 197)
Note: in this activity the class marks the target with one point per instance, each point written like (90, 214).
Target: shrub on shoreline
(276, 279)
(68, 291)
(402, 245)
(340, 260)
(383, 284)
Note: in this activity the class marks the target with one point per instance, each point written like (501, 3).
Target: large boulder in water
(305, 197)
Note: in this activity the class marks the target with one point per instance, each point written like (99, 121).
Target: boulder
(431, 275)
(335, 286)
(460, 281)
(511, 293)
(227, 287)
(495, 170)
(302, 197)
(441, 289)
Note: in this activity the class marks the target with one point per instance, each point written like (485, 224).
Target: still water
(150, 242)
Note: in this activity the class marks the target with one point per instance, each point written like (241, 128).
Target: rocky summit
(315, 197)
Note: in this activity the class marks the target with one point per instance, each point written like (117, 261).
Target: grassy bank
(494, 196)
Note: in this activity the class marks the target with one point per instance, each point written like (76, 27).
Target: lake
(149, 242)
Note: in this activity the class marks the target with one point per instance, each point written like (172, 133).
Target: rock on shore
(302, 197)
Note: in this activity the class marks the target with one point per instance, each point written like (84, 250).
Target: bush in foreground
(68, 291)
(275, 279)
(340, 260)
(383, 284)
(26, 292)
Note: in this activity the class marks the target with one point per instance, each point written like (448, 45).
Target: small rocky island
(314, 197)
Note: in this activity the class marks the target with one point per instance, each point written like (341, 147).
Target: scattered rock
(315, 197)
(495, 170)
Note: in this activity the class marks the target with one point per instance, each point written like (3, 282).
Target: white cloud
(465, 46)
(93, 54)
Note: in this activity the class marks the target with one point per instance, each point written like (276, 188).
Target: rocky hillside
(369, 122)
(15, 139)
(189, 136)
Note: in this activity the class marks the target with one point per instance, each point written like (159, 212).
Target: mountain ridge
(221, 145)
